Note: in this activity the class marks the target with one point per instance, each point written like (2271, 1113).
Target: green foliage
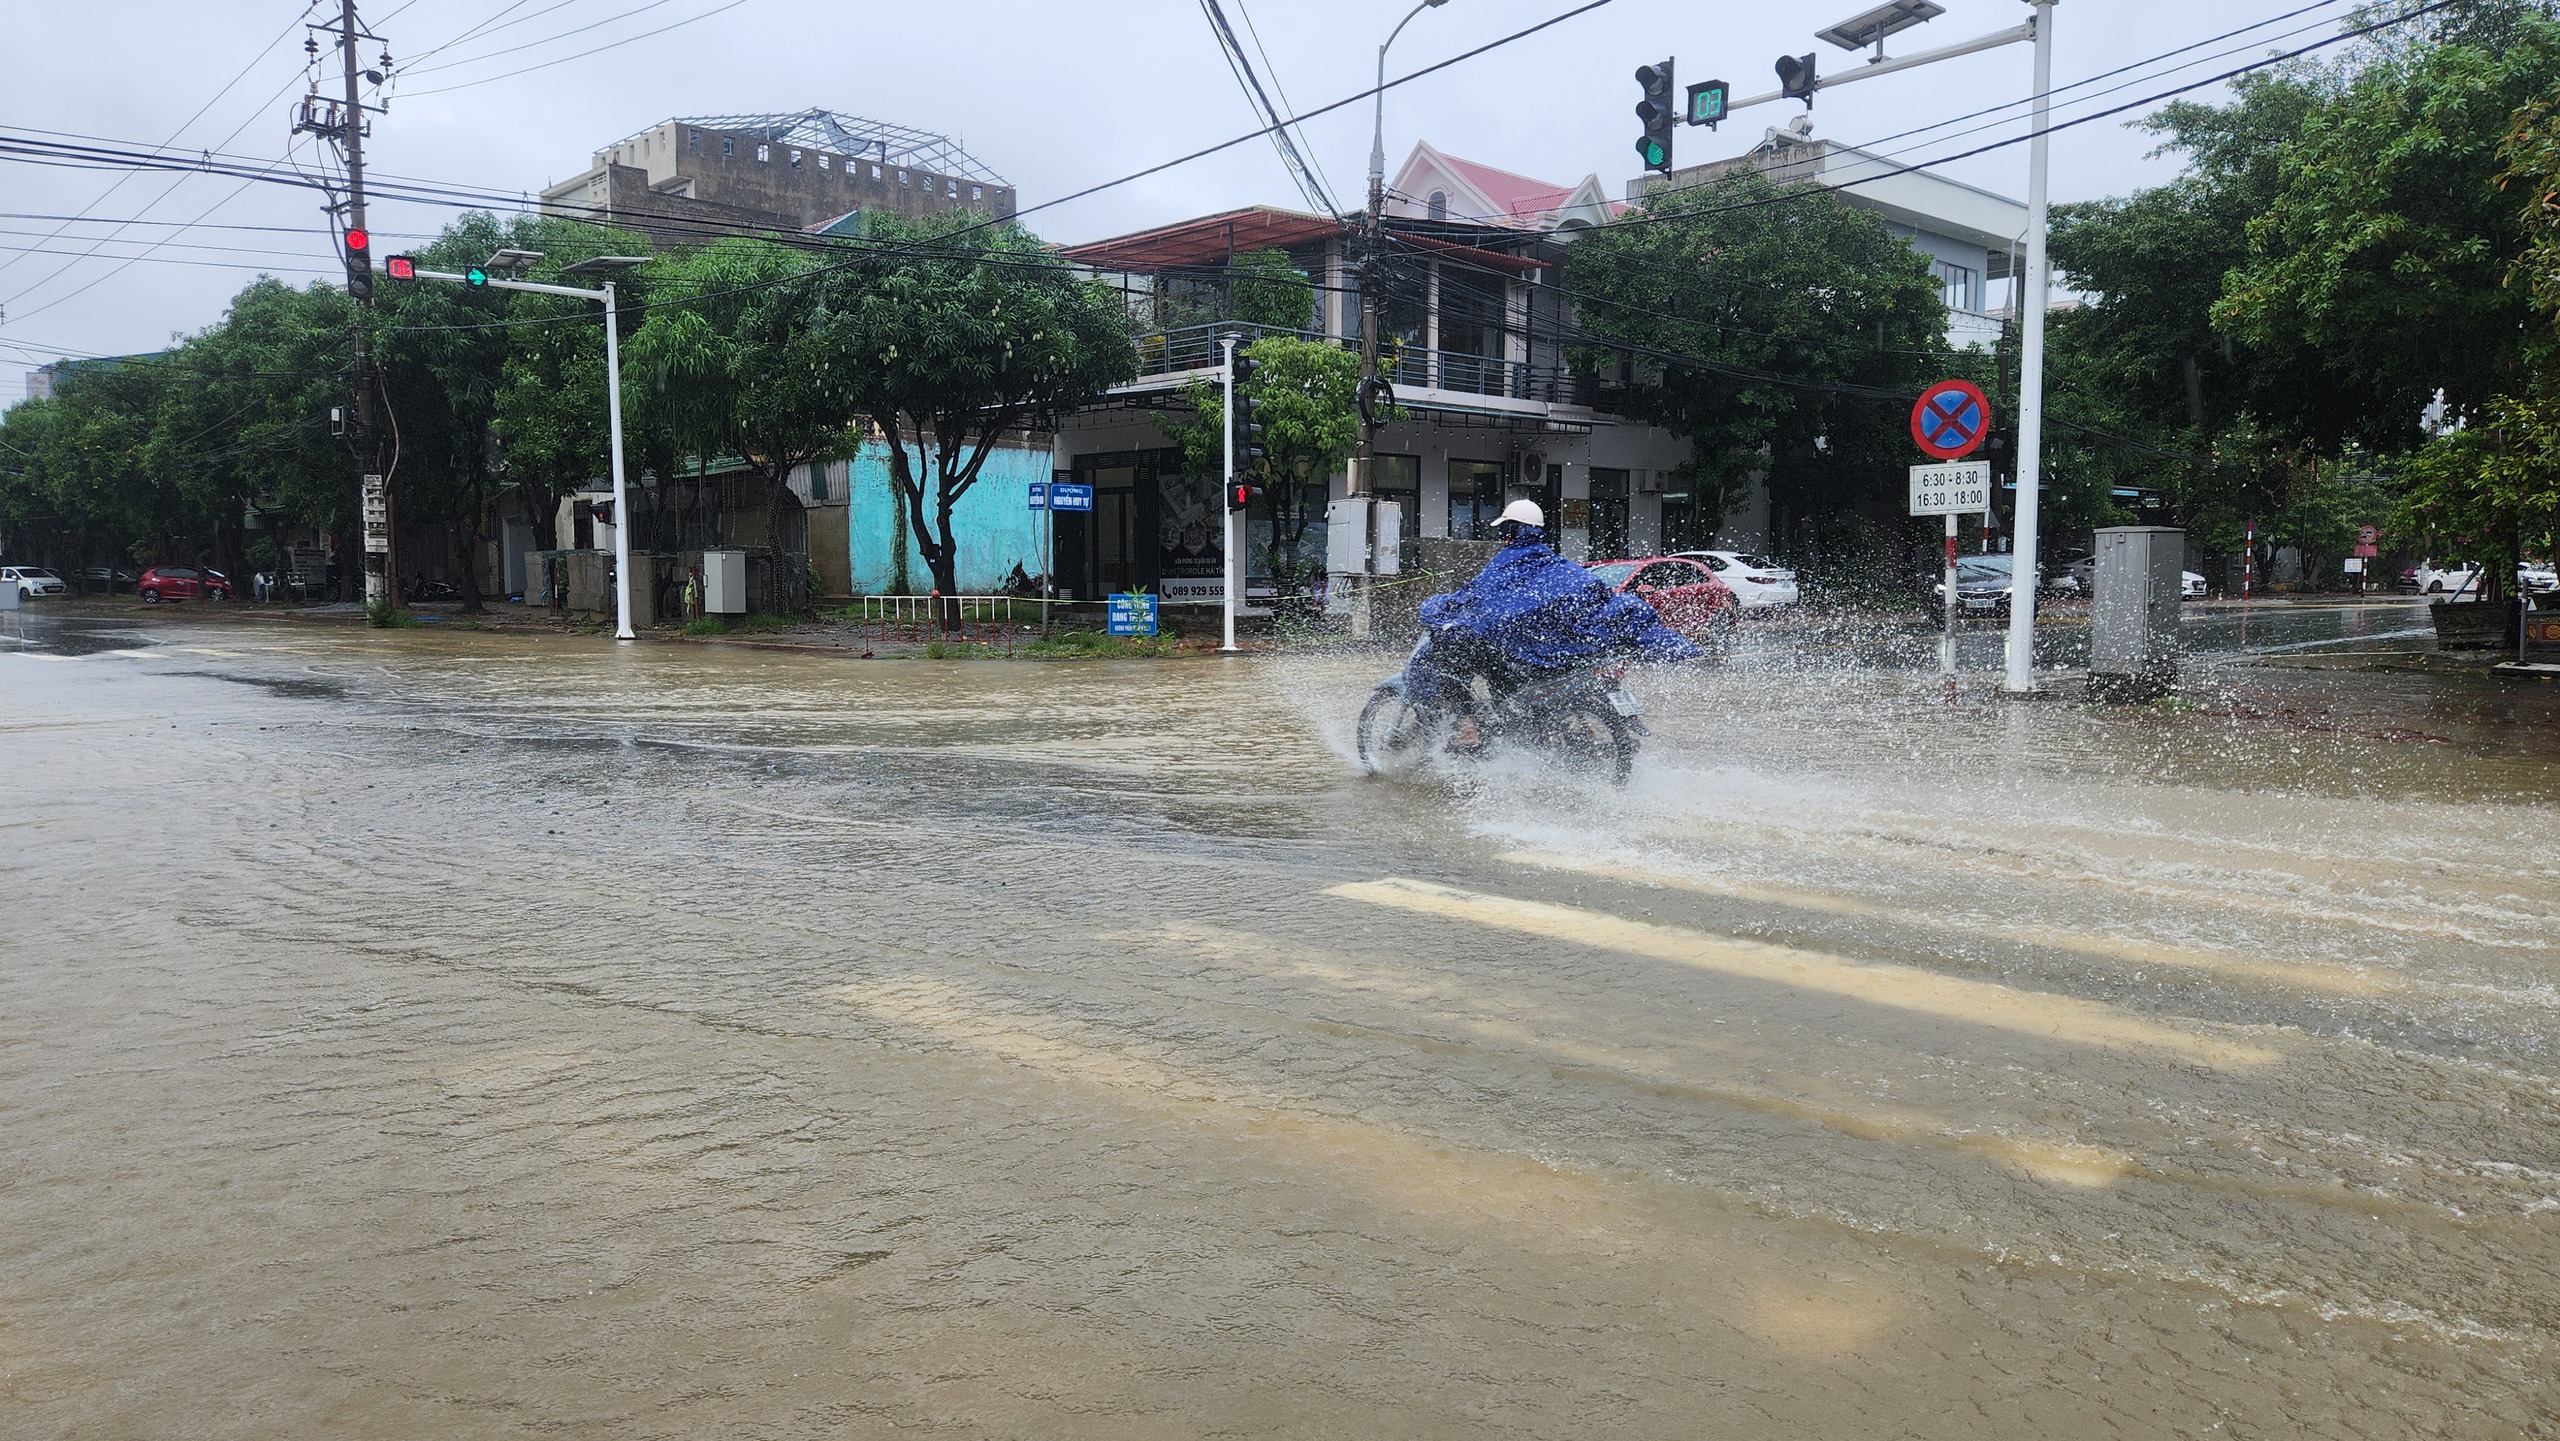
(950, 334)
(1765, 318)
(1269, 290)
(384, 615)
(1311, 420)
(2385, 247)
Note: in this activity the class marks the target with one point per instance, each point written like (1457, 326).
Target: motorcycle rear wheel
(1593, 739)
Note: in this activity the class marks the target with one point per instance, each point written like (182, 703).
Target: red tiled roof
(1208, 240)
(1518, 195)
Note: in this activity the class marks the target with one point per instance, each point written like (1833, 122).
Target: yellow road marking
(2336, 980)
(1907, 988)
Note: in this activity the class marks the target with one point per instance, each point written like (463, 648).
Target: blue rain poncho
(1540, 610)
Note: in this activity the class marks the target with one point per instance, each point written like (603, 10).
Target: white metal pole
(2031, 302)
(1227, 491)
(621, 500)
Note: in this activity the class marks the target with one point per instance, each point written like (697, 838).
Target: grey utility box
(724, 582)
(2133, 621)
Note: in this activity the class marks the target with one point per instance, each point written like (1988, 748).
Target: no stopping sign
(1951, 419)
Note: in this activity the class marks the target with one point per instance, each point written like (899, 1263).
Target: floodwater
(463, 1034)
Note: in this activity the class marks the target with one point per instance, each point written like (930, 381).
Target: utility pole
(346, 126)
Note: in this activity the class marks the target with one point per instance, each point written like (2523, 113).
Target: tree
(742, 354)
(1267, 289)
(1311, 421)
(2385, 248)
(951, 333)
(1777, 328)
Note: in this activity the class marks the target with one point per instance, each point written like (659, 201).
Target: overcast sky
(1052, 96)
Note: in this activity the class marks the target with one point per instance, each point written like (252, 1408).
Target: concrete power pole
(2020, 677)
(381, 571)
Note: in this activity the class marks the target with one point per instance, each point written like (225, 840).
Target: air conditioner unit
(1649, 482)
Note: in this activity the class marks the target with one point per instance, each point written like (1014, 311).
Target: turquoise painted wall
(996, 526)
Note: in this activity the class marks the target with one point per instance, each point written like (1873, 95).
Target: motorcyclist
(1528, 610)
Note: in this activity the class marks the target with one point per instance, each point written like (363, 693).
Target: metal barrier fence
(976, 620)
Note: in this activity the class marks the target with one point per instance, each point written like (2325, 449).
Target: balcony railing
(1195, 347)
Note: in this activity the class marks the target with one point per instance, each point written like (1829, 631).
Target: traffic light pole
(2021, 677)
(613, 406)
(1992, 41)
(1227, 489)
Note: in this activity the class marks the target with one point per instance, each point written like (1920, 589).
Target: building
(1489, 409)
(688, 179)
(1975, 239)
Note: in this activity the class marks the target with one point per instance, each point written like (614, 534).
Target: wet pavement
(447, 1033)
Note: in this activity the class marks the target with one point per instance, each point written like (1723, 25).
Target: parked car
(1757, 582)
(181, 582)
(2458, 582)
(2191, 586)
(2536, 577)
(1689, 597)
(1982, 585)
(104, 579)
(2075, 572)
(31, 580)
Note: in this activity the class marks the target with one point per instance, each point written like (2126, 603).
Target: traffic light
(1796, 79)
(400, 267)
(475, 276)
(1658, 115)
(1706, 102)
(1246, 429)
(359, 265)
(1241, 496)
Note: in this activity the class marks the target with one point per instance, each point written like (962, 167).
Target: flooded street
(423, 1033)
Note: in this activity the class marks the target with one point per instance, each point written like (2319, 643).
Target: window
(977, 192)
(953, 190)
(1439, 205)
(875, 172)
(795, 159)
(818, 474)
(1475, 498)
(1958, 285)
(693, 140)
(764, 152)
(728, 147)
(1399, 478)
(902, 177)
(825, 162)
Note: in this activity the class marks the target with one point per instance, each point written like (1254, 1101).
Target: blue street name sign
(1131, 612)
(1070, 497)
(1039, 495)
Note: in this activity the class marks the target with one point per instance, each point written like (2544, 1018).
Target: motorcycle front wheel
(1395, 734)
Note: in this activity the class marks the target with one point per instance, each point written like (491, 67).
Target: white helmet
(1524, 511)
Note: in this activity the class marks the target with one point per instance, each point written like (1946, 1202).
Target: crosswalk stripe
(1901, 987)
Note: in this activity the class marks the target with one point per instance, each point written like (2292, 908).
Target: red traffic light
(401, 267)
(358, 242)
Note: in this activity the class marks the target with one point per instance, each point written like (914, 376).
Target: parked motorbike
(1578, 718)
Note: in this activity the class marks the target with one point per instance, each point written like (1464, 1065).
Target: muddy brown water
(476, 1035)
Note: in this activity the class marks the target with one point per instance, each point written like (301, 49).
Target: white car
(31, 580)
(2536, 577)
(2191, 586)
(2460, 582)
(1758, 582)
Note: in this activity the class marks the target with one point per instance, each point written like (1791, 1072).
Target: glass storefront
(1475, 498)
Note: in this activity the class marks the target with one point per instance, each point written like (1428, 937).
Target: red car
(1687, 595)
(180, 582)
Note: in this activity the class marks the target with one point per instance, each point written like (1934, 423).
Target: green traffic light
(475, 276)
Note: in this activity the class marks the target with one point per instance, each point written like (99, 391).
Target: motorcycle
(1578, 717)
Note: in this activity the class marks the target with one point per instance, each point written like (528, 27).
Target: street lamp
(1378, 129)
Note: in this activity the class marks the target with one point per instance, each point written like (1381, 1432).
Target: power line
(581, 55)
(534, 44)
